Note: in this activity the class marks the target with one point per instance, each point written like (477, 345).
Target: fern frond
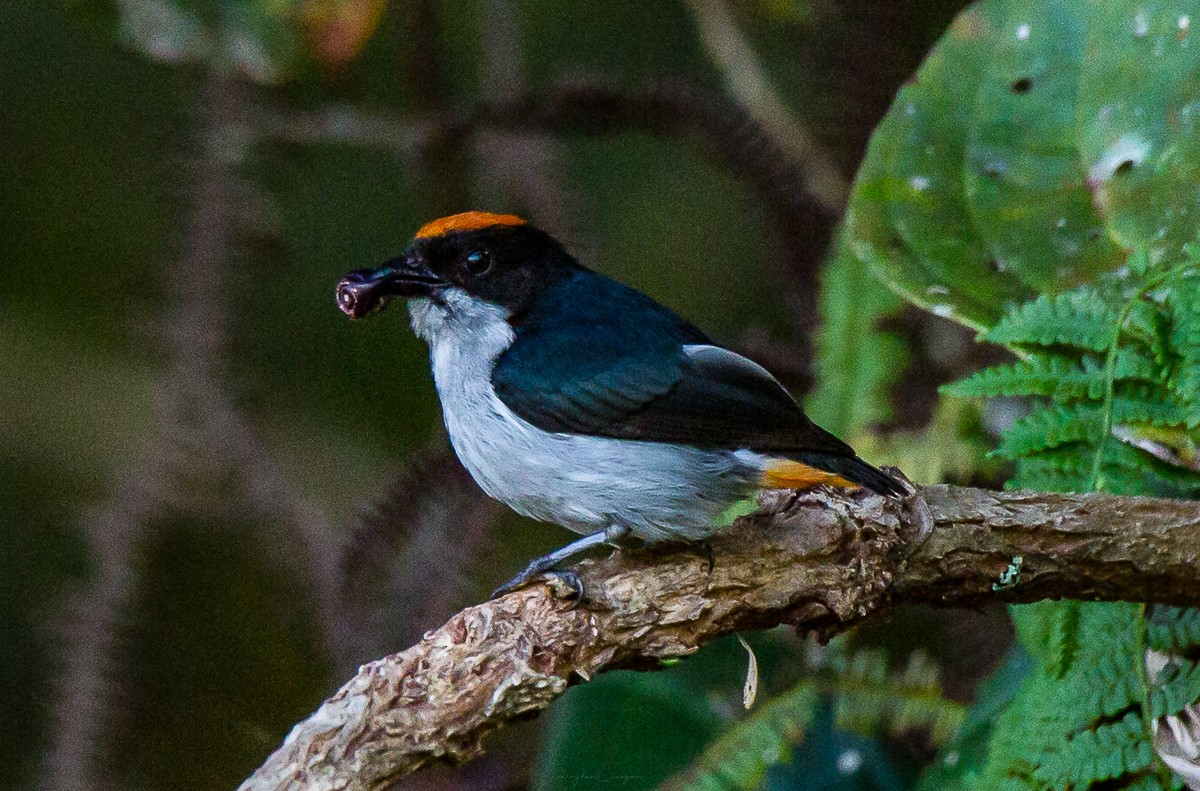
(1149, 326)
(912, 700)
(1077, 318)
(1055, 425)
(1050, 427)
(1184, 308)
(1024, 738)
(1036, 473)
(1157, 477)
(1152, 783)
(1080, 718)
(1126, 470)
(1178, 688)
(1062, 732)
(1057, 376)
(739, 759)
(1064, 637)
(1153, 406)
(866, 698)
(1170, 629)
(1108, 751)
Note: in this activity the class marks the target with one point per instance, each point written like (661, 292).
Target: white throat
(465, 336)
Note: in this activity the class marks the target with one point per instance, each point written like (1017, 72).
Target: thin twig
(520, 169)
(404, 563)
(200, 440)
(747, 80)
(192, 328)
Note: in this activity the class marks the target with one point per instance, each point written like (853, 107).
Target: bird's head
(498, 258)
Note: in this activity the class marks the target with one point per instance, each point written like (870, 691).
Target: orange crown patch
(467, 221)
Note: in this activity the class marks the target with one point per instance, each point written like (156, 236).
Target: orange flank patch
(787, 474)
(467, 221)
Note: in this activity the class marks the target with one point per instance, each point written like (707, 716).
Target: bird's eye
(478, 262)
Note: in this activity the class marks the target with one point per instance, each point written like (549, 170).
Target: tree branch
(821, 561)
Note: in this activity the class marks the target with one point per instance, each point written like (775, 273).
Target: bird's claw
(565, 582)
(569, 585)
(707, 549)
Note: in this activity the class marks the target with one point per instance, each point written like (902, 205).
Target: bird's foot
(565, 583)
(546, 563)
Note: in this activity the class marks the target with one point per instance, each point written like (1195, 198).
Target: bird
(580, 401)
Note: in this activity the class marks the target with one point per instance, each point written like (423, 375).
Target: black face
(505, 265)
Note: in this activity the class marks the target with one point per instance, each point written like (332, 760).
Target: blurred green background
(218, 495)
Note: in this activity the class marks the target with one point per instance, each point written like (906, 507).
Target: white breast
(584, 483)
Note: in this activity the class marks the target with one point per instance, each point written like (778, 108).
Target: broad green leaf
(625, 731)
(1026, 189)
(1036, 146)
(628, 731)
(1139, 103)
(908, 215)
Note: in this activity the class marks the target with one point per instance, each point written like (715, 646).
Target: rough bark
(821, 561)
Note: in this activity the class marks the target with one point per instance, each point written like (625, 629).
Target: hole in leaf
(1022, 85)
(1124, 167)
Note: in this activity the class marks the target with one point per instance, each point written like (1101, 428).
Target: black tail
(852, 468)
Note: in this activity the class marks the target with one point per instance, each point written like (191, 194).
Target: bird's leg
(546, 563)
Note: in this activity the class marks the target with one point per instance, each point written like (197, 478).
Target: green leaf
(1070, 162)
(625, 731)
(869, 702)
(1153, 406)
(960, 760)
(908, 216)
(1183, 305)
(1169, 629)
(739, 759)
(1177, 687)
(1064, 637)
(1108, 751)
(1041, 629)
(1037, 144)
(1138, 108)
(1083, 725)
(1026, 188)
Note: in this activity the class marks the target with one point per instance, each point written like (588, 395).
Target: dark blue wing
(589, 354)
(596, 357)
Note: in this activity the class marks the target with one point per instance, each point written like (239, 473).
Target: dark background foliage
(219, 495)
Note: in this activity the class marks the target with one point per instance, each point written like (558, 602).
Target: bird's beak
(364, 291)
